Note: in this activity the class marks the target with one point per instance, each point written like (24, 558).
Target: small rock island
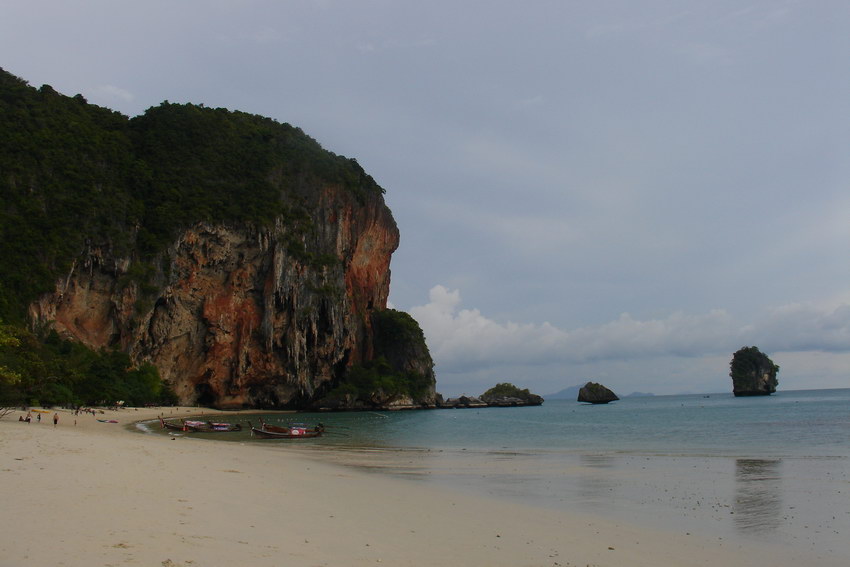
(753, 373)
(500, 395)
(594, 393)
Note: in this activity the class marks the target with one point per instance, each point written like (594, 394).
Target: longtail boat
(292, 432)
(200, 426)
(209, 426)
(169, 425)
(273, 428)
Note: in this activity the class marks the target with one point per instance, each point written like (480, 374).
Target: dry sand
(97, 494)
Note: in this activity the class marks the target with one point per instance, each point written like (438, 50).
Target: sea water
(773, 468)
(814, 423)
(795, 423)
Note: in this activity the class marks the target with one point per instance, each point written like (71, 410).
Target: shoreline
(104, 497)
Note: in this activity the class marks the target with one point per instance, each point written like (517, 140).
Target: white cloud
(461, 340)
(805, 327)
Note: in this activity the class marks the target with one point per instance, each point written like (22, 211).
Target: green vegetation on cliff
(505, 391)
(75, 176)
(747, 360)
(196, 163)
(402, 365)
(378, 381)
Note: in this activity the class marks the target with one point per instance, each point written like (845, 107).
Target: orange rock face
(241, 316)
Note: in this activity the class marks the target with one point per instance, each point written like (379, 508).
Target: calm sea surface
(788, 423)
(774, 469)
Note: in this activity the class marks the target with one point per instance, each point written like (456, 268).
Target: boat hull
(295, 433)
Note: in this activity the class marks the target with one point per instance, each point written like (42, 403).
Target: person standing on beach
(55, 419)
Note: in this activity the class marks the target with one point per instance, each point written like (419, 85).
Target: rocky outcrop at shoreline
(464, 402)
(501, 395)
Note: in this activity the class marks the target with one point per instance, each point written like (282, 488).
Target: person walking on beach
(38, 417)
(55, 419)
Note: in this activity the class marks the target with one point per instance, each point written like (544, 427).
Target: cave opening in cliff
(204, 395)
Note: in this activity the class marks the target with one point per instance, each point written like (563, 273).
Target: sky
(620, 191)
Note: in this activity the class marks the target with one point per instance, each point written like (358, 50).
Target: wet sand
(98, 494)
(801, 501)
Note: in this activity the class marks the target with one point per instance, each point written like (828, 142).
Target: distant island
(595, 393)
(571, 393)
(565, 394)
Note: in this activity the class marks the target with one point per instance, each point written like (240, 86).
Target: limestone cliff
(752, 373)
(231, 251)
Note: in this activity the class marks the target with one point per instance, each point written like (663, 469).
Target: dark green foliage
(749, 360)
(53, 371)
(214, 165)
(398, 341)
(363, 381)
(63, 180)
(396, 330)
(378, 379)
(506, 389)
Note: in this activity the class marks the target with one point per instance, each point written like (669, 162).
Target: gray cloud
(562, 163)
(462, 340)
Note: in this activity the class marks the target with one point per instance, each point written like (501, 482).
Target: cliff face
(237, 316)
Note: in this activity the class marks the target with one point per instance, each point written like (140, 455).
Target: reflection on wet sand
(599, 486)
(758, 495)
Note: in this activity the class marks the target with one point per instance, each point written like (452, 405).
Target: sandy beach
(100, 494)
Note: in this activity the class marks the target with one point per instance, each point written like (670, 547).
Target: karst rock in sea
(752, 373)
(596, 394)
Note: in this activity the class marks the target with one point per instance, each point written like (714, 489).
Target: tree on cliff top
(506, 389)
(749, 359)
